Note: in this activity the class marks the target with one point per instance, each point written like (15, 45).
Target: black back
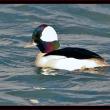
(78, 53)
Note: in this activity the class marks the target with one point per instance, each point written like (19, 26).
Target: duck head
(45, 38)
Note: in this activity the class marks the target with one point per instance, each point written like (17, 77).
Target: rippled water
(77, 25)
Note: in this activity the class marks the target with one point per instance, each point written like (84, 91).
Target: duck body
(69, 58)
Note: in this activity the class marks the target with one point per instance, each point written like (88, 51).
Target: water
(77, 25)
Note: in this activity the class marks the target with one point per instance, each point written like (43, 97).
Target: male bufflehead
(50, 56)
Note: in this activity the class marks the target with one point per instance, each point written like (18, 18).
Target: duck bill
(30, 45)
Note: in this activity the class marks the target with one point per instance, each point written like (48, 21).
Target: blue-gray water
(77, 25)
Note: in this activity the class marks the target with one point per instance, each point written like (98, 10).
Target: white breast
(62, 62)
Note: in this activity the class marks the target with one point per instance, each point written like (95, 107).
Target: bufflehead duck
(50, 56)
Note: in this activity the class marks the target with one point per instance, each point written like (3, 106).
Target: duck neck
(46, 47)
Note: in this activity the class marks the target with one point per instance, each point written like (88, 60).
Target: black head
(45, 37)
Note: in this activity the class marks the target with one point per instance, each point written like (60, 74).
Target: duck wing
(78, 53)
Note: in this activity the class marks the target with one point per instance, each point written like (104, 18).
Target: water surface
(77, 25)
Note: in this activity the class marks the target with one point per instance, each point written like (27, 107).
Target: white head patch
(49, 34)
